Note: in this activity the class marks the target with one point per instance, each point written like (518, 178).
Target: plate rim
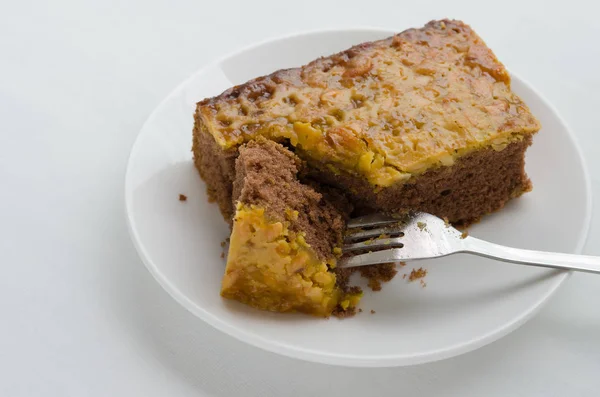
(316, 355)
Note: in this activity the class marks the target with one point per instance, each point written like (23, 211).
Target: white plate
(468, 301)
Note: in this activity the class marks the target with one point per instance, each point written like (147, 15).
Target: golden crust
(272, 269)
(386, 110)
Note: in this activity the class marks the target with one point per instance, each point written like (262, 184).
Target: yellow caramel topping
(385, 110)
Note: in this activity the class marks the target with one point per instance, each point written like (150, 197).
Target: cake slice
(423, 120)
(285, 237)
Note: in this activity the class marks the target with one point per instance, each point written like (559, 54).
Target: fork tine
(416, 235)
(374, 258)
(366, 234)
(371, 221)
(375, 244)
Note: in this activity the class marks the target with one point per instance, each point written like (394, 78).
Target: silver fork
(418, 235)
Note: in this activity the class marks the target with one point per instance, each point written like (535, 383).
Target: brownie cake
(285, 237)
(423, 120)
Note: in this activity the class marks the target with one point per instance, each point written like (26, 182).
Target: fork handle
(583, 263)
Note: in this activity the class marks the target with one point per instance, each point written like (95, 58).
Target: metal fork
(418, 235)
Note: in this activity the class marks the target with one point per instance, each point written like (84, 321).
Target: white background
(79, 313)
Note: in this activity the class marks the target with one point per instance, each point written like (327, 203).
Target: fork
(418, 235)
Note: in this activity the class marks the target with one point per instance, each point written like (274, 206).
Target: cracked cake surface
(386, 110)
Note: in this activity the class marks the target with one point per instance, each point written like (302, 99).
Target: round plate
(467, 302)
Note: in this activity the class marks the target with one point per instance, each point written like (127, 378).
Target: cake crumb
(423, 283)
(223, 243)
(416, 274)
(223, 255)
(359, 310)
(376, 274)
(421, 225)
(340, 312)
(375, 285)
(402, 263)
(182, 197)
(373, 311)
(464, 234)
(404, 276)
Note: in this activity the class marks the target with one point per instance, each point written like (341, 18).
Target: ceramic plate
(467, 302)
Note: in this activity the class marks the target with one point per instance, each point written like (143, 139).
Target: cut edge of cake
(286, 238)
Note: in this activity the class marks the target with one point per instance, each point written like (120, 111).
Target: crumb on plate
(416, 274)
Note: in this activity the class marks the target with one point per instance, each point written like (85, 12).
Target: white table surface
(79, 313)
